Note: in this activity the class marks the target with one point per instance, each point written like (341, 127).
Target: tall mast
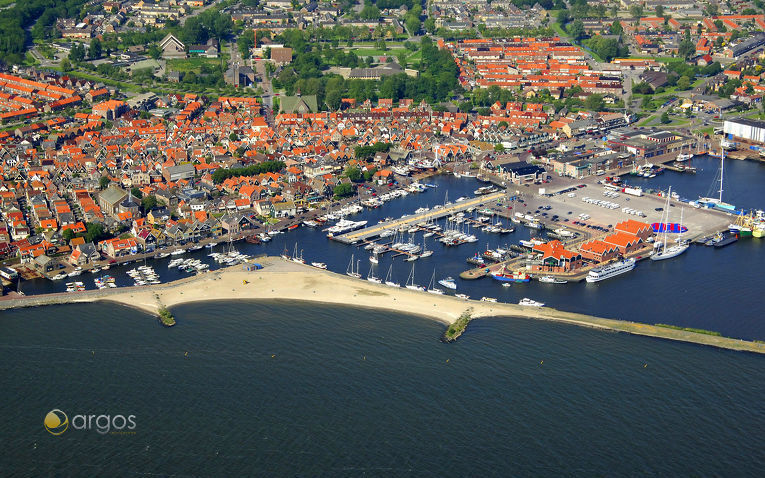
(722, 169)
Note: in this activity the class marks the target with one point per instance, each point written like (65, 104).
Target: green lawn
(647, 121)
(193, 64)
(559, 30)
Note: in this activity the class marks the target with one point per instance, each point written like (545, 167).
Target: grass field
(193, 64)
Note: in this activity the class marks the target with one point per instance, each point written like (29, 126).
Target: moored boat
(610, 270)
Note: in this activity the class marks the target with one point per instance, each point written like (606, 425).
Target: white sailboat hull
(669, 252)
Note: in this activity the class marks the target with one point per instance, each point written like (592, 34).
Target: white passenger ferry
(611, 270)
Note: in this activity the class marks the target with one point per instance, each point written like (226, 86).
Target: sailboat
(665, 252)
(389, 279)
(425, 251)
(718, 202)
(298, 258)
(371, 277)
(349, 271)
(431, 287)
(410, 282)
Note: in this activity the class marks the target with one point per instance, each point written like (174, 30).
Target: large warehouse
(746, 129)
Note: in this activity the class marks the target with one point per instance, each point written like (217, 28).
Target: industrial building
(746, 129)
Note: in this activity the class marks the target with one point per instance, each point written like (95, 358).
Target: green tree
(245, 42)
(77, 53)
(665, 118)
(148, 203)
(412, 24)
(95, 48)
(430, 25)
(660, 11)
(104, 182)
(499, 147)
(68, 235)
(66, 65)
(94, 232)
(594, 102)
(576, 30)
(636, 10)
(154, 52)
(353, 173)
(343, 190)
(563, 17)
(616, 28)
(370, 12)
(136, 193)
(683, 83)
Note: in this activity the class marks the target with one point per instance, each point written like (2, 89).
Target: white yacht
(611, 270)
(530, 303)
(448, 283)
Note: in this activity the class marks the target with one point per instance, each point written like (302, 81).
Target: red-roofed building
(598, 251)
(555, 258)
(627, 243)
(636, 228)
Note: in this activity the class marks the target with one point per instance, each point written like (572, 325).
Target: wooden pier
(409, 221)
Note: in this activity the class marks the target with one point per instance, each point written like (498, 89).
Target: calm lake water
(279, 389)
(706, 288)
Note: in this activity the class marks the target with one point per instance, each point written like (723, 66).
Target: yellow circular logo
(56, 422)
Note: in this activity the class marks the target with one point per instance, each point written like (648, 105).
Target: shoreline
(284, 280)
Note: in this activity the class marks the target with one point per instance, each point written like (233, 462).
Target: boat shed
(524, 172)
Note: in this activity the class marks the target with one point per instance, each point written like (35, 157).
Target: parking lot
(591, 205)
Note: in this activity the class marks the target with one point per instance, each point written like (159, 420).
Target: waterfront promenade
(290, 281)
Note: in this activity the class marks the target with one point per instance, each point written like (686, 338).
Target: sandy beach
(284, 280)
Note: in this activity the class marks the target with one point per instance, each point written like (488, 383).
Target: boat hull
(669, 253)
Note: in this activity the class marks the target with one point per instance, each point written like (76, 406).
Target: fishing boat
(162, 255)
(611, 270)
(431, 286)
(449, 283)
(683, 157)
(663, 252)
(530, 303)
(462, 296)
(177, 252)
(211, 245)
(319, 265)
(725, 240)
(389, 278)
(552, 280)
(410, 282)
(350, 272)
(488, 299)
(516, 276)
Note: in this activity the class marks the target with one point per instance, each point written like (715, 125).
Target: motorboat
(530, 303)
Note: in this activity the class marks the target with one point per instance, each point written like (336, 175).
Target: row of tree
(221, 174)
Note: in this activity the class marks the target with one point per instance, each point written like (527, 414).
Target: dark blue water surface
(717, 289)
(278, 389)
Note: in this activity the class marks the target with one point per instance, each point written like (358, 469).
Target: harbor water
(713, 289)
(277, 389)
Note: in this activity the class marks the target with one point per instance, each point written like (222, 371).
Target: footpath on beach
(284, 280)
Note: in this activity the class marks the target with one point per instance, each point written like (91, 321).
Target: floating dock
(408, 221)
